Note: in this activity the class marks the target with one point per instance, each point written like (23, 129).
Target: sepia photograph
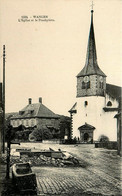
(60, 97)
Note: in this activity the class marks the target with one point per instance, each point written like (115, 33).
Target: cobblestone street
(100, 174)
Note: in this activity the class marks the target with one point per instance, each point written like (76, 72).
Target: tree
(9, 132)
(37, 134)
(65, 123)
(22, 135)
(47, 134)
(41, 134)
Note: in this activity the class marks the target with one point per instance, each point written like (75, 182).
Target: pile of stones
(48, 161)
(67, 160)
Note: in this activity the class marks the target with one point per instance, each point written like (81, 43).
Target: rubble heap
(49, 161)
(43, 158)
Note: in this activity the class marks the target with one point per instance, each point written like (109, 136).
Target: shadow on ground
(10, 190)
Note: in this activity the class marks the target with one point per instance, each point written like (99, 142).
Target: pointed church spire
(91, 66)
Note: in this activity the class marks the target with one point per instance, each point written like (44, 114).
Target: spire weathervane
(92, 5)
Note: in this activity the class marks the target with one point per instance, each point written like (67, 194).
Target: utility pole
(9, 142)
(1, 117)
(3, 99)
(8, 151)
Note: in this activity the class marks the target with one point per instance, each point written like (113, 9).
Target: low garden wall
(108, 145)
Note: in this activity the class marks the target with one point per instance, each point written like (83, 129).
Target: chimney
(40, 99)
(29, 101)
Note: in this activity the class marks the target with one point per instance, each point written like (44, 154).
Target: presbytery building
(36, 115)
(97, 102)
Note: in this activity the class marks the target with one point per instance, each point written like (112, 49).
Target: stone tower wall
(94, 89)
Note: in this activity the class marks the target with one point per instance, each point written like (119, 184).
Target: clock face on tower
(86, 79)
(101, 79)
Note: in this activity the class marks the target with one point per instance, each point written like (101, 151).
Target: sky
(43, 57)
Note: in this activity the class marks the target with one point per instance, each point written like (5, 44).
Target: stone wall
(108, 145)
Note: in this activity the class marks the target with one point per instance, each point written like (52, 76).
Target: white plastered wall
(93, 114)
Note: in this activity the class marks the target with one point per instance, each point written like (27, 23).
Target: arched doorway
(86, 137)
(86, 133)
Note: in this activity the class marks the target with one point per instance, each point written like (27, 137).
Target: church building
(96, 101)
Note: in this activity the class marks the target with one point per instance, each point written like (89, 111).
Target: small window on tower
(101, 85)
(85, 85)
(109, 103)
(85, 103)
(88, 84)
(101, 82)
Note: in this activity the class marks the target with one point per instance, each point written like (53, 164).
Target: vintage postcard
(60, 97)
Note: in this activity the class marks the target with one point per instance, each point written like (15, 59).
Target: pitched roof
(73, 109)
(36, 110)
(118, 115)
(11, 114)
(86, 127)
(91, 66)
(114, 91)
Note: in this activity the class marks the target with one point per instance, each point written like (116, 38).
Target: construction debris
(44, 158)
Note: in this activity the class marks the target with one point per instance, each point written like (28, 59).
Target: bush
(22, 135)
(70, 141)
(37, 134)
(41, 134)
(103, 138)
(47, 134)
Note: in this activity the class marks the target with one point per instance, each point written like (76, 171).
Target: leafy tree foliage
(103, 138)
(37, 134)
(65, 123)
(47, 134)
(22, 135)
(41, 134)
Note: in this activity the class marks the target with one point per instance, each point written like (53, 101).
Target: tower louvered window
(101, 85)
(85, 85)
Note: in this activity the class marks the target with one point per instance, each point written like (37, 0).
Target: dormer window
(30, 111)
(21, 112)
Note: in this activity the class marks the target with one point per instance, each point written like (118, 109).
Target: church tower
(96, 102)
(91, 88)
(91, 81)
